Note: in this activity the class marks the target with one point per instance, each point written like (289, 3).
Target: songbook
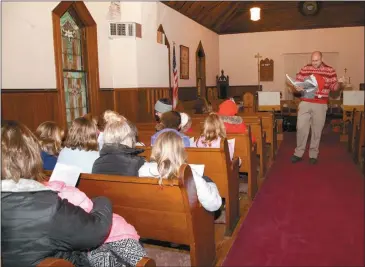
(309, 85)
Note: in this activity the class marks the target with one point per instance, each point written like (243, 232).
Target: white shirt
(79, 158)
(208, 193)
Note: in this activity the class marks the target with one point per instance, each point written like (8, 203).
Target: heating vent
(124, 29)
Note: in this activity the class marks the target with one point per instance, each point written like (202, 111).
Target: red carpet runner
(305, 215)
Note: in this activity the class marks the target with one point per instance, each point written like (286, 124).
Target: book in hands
(309, 85)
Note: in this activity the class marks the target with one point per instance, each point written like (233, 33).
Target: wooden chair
(169, 213)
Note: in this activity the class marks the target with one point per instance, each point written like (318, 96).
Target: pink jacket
(120, 228)
(214, 144)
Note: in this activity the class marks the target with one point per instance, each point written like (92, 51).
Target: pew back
(170, 212)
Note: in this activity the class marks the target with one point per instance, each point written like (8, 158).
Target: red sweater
(329, 75)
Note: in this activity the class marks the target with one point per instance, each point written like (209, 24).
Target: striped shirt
(329, 75)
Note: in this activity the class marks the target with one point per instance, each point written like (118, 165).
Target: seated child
(168, 154)
(50, 139)
(122, 244)
(119, 156)
(170, 121)
(234, 124)
(213, 132)
(185, 126)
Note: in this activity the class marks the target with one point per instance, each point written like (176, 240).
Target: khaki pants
(310, 116)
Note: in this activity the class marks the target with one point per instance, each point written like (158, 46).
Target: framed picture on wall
(184, 62)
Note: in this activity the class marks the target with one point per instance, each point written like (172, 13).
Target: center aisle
(305, 215)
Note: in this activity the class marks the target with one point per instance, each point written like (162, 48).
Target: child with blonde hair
(119, 156)
(108, 116)
(50, 140)
(213, 131)
(168, 154)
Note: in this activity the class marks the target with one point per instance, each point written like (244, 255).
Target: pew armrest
(55, 262)
(146, 262)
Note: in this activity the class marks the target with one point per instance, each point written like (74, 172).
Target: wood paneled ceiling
(227, 17)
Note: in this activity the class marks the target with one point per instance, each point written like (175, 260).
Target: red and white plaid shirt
(329, 75)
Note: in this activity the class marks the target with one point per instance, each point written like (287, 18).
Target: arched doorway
(162, 39)
(200, 72)
(76, 60)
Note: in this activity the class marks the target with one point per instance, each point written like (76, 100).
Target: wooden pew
(247, 152)
(351, 129)
(358, 139)
(222, 171)
(55, 262)
(169, 213)
(268, 126)
(260, 136)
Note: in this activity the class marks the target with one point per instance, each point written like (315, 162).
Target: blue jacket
(49, 161)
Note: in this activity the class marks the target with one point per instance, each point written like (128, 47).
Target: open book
(309, 85)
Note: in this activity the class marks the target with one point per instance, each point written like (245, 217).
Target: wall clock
(309, 8)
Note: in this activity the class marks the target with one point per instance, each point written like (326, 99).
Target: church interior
(65, 60)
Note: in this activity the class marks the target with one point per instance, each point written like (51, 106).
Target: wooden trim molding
(24, 90)
(91, 56)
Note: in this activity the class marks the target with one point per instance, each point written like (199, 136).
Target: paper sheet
(269, 98)
(231, 144)
(353, 98)
(199, 168)
(65, 173)
(192, 141)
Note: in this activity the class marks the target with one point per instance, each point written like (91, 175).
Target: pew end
(171, 212)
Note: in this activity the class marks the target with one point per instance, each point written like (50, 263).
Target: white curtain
(293, 62)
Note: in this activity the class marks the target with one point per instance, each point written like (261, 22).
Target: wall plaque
(266, 70)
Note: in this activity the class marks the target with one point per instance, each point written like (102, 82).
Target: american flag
(175, 88)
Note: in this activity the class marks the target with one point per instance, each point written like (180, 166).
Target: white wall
(27, 45)
(236, 53)
(184, 31)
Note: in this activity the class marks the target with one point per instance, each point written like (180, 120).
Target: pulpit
(222, 85)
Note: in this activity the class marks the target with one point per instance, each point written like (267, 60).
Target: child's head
(20, 153)
(213, 128)
(162, 105)
(185, 122)
(171, 119)
(82, 135)
(120, 132)
(110, 116)
(169, 153)
(50, 137)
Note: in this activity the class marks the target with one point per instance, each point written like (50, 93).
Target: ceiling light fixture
(255, 13)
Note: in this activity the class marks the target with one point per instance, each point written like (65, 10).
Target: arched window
(76, 60)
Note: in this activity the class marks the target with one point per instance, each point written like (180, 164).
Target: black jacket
(118, 159)
(36, 224)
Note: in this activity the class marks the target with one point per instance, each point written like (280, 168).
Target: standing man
(312, 111)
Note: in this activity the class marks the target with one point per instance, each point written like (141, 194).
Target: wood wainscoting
(30, 106)
(34, 106)
(136, 104)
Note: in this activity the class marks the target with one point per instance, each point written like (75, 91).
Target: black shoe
(295, 159)
(313, 161)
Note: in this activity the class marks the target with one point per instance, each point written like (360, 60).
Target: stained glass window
(74, 73)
